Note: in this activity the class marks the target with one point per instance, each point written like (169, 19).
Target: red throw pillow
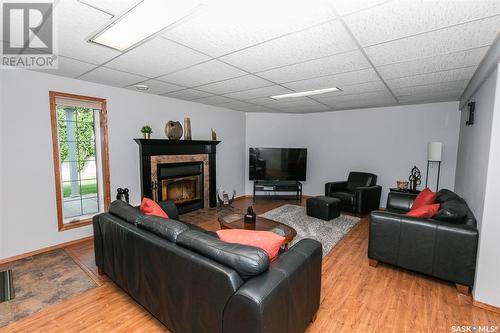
(150, 207)
(266, 240)
(426, 197)
(425, 212)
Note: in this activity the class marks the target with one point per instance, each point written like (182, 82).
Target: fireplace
(180, 170)
(181, 183)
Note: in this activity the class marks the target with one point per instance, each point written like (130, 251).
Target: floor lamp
(434, 151)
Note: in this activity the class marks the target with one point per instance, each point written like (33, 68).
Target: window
(81, 167)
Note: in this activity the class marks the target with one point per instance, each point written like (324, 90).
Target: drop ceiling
(235, 54)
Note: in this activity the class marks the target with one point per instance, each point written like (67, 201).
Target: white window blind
(78, 103)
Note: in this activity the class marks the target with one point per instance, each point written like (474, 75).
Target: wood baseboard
(486, 306)
(43, 250)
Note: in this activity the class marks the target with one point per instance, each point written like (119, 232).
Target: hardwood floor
(355, 296)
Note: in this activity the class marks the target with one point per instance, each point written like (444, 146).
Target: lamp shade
(434, 150)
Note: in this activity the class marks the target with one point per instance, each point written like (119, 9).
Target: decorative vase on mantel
(187, 129)
(147, 135)
(173, 130)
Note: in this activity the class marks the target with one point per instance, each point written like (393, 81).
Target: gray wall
(477, 181)
(388, 141)
(28, 220)
(474, 147)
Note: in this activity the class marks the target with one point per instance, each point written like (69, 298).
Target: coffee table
(237, 221)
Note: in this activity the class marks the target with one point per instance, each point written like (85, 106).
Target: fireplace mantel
(161, 147)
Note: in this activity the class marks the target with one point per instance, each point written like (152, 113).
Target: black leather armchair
(446, 250)
(359, 194)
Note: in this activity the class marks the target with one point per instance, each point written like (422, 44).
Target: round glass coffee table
(237, 221)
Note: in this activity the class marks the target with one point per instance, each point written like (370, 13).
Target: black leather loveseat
(444, 248)
(360, 194)
(193, 282)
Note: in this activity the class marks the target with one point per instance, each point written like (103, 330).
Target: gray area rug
(328, 233)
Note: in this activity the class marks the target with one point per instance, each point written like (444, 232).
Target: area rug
(328, 233)
(40, 281)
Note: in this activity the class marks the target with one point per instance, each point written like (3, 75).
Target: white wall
(474, 147)
(387, 141)
(28, 216)
(477, 180)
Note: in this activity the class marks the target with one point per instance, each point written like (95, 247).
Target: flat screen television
(278, 163)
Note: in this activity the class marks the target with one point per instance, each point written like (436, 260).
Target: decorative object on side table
(415, 178)
(402, 184)
(173, 130)
(122, 194)
(225, 201)
(434, 152)
(250, 216)
(187, 129)
(214, 135)
(146, 131)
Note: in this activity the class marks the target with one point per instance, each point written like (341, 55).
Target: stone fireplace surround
(160, 151)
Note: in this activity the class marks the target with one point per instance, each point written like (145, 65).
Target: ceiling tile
(69, 67)
(157, 57)
(340, 63)
(204, 73)
(433, 64)
(457, 38)
(113, 7)
(267, 101)
(431, 88)
(323, 40)
(111, 77)
(397, 19)
(310, 106)
(157, 87)
(437, 77)
(371, 99)
(237, 84)
(226, 26)
(365, 103)
(338, 80)
(361, 88)
(333, 101)
(259, 92)
(76, 22)
(214, 100)
(344, 7)
(188, 94)
(235, 105)
(255, 108)
(432, 97)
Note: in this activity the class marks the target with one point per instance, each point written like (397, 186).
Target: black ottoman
(322, 207)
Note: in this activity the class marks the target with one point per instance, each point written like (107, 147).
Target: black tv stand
(272, 188)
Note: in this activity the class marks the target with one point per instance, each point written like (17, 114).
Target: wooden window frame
(103, 119)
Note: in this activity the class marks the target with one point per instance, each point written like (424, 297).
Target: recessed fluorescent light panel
(306, 93)
(142, 21)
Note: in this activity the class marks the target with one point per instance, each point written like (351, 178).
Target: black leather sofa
(193, 282)
(443, 249)
(360, 194)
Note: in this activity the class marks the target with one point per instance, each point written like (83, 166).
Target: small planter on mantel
(146, 131)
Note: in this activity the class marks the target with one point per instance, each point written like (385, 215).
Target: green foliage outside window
(85, 144)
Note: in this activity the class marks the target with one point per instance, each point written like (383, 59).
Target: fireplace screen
(182, 189)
